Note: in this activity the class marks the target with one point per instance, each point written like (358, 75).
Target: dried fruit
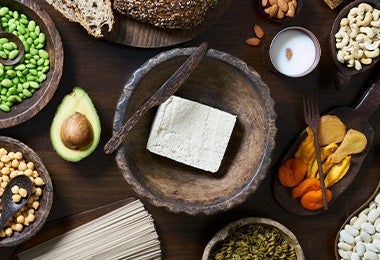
(337, 172)
(354, 142)
(331, 130)
(312, 200)
(279, 8)
(288, 53)
(305, 186)
(292, 172)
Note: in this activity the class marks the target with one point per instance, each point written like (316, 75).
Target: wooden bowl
(221, 81)
(231, 228)
(344, 73)
(30, 107)
(286, 18)
(367, 204)
(45, 200)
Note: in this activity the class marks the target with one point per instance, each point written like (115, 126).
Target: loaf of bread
(183, 14)
(93, 15)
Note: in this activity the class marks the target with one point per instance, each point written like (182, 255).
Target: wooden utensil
(20, 46)
(167, 89)
(356, 118)
(9, 207)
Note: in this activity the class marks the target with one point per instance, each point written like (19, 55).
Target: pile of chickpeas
(11, 165)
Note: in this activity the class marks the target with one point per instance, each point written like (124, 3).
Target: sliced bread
(91, 14)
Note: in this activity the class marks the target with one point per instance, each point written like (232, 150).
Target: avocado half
(75, 130)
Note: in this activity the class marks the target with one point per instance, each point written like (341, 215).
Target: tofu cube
(191, 133)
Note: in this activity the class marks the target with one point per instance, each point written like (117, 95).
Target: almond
(258, 30)
(273, 2)
(291, 11)
(253, 41)
(264, 3)
(280, 14)
(283, 5)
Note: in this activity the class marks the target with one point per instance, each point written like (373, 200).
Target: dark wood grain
(102, 68)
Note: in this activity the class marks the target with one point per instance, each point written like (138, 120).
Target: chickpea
(15, 163)
(28, 172)
(17, 227)
(2, 234)
(13, 174)
(35, 174)
(38, 192)
(15, 189)
(18, 156)
(16, 198)
(5, 158)
(22, 166)
(35, 204)
(39, 181)
(9, 232)
(30, 165)
(11, 155)
(3, 151)
(23, 192)
(31, 218)
(5, 170)
(20, 219)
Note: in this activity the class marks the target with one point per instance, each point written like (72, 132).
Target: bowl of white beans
(27, 86)
(253, 238)
(359, 236)
(16, 158)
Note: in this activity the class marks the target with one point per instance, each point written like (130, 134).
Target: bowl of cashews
(355, 39)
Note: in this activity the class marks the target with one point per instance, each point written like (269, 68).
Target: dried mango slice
(326, 151)
(337, 172)
(354, 142)
(331, 130)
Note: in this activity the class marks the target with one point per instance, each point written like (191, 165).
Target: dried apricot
(292, 172)
(305, 186)
(312, 200)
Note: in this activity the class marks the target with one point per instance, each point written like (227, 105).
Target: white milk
(303, 53)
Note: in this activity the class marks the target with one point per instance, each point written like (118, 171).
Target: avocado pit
(76, 131)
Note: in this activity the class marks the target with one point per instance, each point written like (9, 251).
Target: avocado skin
(77, 101)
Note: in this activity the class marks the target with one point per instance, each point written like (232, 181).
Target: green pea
(31, 25)
(20, 67)
(43, 54)
(34, 84)
(6, 83)
(4, 10)
(13, 54)
(7, 46)
(26, 93)
(11, 73)
(3, 55)
(5, 107)
(3, 40)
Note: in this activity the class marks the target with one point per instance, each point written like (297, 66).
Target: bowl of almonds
(16, 159)
(280, 10)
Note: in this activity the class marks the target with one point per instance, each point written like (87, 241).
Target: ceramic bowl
(286, 18)
(21, 112)
(344, 73)
(220, 81)
(248, 224)
(45, 200)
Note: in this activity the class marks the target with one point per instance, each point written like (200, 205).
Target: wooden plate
(220, 81)
(353, 214)
(30, 107)
(344, 73)
(133, 33)
(356, 118)
(46, 200)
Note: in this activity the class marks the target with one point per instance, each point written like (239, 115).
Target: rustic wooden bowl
(286, 18)
(220, 81)
(230, 228)
(46, 199)
(344, 73)
(353, 214)
(30, 107)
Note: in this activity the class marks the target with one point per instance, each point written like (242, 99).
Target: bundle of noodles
(169, 14)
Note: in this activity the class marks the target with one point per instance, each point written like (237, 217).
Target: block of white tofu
(191, 133)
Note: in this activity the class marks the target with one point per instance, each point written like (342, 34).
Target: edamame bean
(22, 80)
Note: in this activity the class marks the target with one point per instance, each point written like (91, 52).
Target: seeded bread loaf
(170, 14)
(91, 14)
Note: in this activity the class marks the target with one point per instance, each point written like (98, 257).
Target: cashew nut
(361, 37)
(368, 17)
(364, 7)
(354, 30)
(371, 46)
(366, 61)
(358, 65)
(372, 54)
(367, 30)
(344, 42)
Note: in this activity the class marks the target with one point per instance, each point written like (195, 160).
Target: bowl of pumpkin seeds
(253, 238)
(27, 85)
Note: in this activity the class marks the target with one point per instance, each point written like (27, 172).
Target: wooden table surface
(102, 67)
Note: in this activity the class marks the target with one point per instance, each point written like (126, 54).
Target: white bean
(368, 227)
(344, 246)
(373, 215)
(351, 230)
(370, 255)
(347, 237)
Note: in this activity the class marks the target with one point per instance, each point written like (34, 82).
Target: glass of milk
(295, 51)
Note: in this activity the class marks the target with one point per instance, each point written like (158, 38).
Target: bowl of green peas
(28, 85)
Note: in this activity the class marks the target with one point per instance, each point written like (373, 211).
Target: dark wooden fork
(312, 119)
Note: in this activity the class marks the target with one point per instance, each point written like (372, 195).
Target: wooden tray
(130, 32)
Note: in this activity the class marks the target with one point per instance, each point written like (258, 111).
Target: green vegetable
(20, 81)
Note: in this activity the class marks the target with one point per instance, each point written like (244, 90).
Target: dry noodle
(254, 241)
(125, 233)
